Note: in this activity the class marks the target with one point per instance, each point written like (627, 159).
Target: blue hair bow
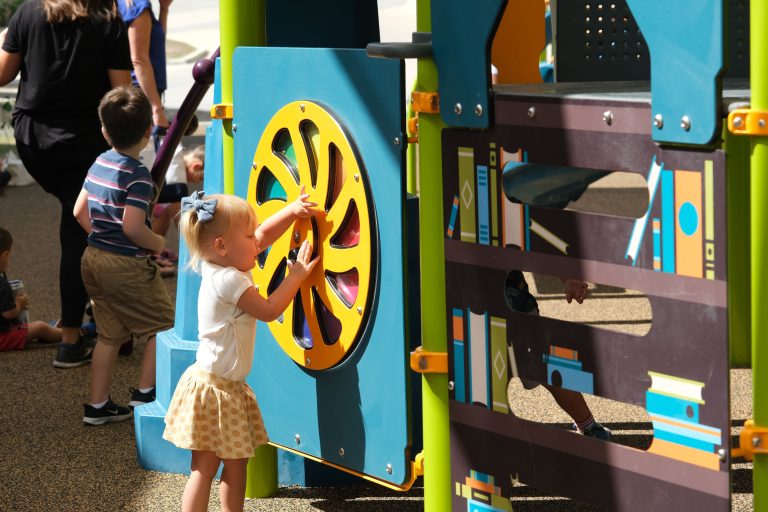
(205, 208)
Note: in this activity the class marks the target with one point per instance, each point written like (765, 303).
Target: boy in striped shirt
(128, 294)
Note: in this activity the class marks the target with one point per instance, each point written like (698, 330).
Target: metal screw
(457, 109)
(308, 362)
(721, 454)
(479, 110)
(761, 123)
(685, 123)
(298, 439)
(756, 442)
(256, 286)
(397, 141)
(357, 177)
(296, 236)
(531, 112)
(341, 451)
(451, 385)
(301, 107)
(359, 310)
(234, 127)
(738, 121)
(658, 121)
(423, 363)
(389, 468)
(608, 117)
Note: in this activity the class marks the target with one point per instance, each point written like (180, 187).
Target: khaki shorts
(129, 296)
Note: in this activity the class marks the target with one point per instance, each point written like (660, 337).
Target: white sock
(146, 390)
(100, 405)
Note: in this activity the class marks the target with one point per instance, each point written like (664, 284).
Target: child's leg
(44, 332)
(198, 489)
(147, 378)
(572, 403)
(232, 488)
(102, 366)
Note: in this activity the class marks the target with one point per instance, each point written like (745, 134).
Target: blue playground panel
(362, 404)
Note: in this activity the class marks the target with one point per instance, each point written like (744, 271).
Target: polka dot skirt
(211, 413)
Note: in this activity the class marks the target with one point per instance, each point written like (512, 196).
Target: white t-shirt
(226, 333)
(177, 169)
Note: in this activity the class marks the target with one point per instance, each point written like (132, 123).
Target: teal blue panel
(462, 33)
(685, 39)
(360, 406)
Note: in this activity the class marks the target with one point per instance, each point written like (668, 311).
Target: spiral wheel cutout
(303, 144)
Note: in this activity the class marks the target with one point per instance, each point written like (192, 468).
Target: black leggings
(61, 172)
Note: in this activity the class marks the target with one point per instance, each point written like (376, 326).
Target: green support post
(437, 464)
(737, 148)
(243, 23)
(759, 223)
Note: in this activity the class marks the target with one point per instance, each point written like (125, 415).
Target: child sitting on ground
(128, 294)
(214, 412)
(15, 335)
(186, 167)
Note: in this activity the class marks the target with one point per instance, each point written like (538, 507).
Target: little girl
(213, 411)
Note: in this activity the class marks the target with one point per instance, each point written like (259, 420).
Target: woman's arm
(10, 63)
(163, 18)
(119, 77)
(139, 32)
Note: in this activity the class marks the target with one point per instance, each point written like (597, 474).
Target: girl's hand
(302, 208)
(302, 267)
(575, 290)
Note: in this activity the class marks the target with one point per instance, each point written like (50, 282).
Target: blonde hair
(198, 153)
(199, 236)
(60, 11)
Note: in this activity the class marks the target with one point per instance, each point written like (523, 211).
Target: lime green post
(243, 23)
(739, 327)
(759, 223)
(437, 465)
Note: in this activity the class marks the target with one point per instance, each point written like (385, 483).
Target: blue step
(174, 355)
(154, 452)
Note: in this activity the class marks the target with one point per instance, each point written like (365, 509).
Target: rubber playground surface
(51, 461)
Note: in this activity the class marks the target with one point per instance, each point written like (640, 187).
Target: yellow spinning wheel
(304, 145)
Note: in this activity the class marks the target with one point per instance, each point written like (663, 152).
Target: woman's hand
(575, 290)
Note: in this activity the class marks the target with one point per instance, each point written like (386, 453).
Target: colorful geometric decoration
(564, 370)
(673, 405)
(482, 493)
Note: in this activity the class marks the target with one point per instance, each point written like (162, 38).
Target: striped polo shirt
(114, 181)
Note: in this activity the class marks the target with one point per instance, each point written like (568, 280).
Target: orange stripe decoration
(686, 426)
(689, 218)
(480, 486)
(458, 328)
(565, 353)
(685, 454)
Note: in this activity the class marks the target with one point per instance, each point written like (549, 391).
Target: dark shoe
(73, 355)
(126, 348)
(138, 398)
(110, 413)
(598, 432)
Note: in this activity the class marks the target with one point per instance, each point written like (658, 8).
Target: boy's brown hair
(125, 114)
(6, 240)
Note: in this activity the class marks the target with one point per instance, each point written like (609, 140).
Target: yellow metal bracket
(752, 440)
(427, 102)
(429, 362)
(417, 470)
(745, 121)
(413, 129)
(222, 111)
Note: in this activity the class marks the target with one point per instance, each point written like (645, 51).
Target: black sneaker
(138, 398)
(598, 432)
(110, 413)
(73, 355)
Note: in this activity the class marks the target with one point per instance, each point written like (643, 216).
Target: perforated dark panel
(599, 41)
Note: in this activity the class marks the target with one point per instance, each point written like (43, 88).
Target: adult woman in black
(70, 53)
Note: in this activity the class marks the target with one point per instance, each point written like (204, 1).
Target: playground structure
(297, 102)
